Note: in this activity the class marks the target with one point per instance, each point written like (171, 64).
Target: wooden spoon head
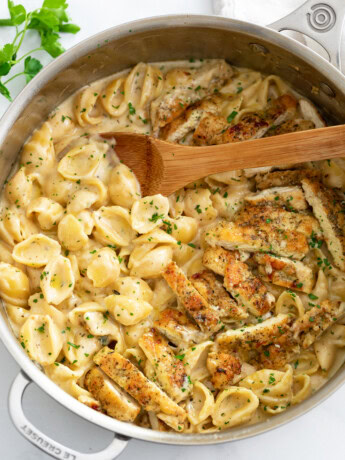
(140, 154)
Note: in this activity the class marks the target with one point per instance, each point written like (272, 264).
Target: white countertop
(318, 435)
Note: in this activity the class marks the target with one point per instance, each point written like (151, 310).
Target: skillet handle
(45, 443)
(321, 21)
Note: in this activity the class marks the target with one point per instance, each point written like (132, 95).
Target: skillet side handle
(321, 21)
(45, 443)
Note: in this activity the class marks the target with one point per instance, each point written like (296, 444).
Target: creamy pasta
(218, 306)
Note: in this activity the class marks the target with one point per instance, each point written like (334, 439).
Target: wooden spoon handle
(183, 164)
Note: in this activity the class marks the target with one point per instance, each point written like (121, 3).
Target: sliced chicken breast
(329, 209)
(206, 316)
(314, 322)
(247, 289)
(252, 337)
(292, 198)
(217, 258)
(285, 272)
(134, 382)
(215, 294)
(233, 236)
(169, 370)
(113, 399)
(223, 368)
(290, 126)
(178, 328)
(285, 178)
(184, 87)
(215, 130)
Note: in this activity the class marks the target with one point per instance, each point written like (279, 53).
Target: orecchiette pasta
(36, 251)
(234, 406)
(222, 304)
(273, 388)
(198, 204)
(82, 162)
(104, 268)
(126, 310)
(14, 285)
(38, 155)
(41, 339)
(200, 404)
(57, 280)
(124, 188)
(290, 304)
(147, 213)
(71, 233)
(19, 189)
(86, 110)
(112, 226)
(47, 212)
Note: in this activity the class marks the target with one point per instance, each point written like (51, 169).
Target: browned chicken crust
(288, 273)
(183, 88)
(134, 382)
(223, 367)
(205, 315)
(266, 228)
(216, 259)
(214, 130)
(290, 126)
(291, 198)
(169, 370)
(314, 322)
(329, 209)
(178, 328)
(215, 294)
(114, 401)
(285, 178)
(247, 289)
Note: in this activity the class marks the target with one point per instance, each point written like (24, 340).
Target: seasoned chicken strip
(291, 198)
(253, 337)
(189, 120)
(328, 208)
(178, 328)
(169, 370)
(216, 259)
(285, 272)
(134, 382)
(184, 87)
(210, 130)
(114, 401)
(206, 316)
(267, 218)
(290, 126)
(285, 178)
(247, 289)
(212, 290)
(267, 345)
(254, 125)
(230, 235)
(314, 322)
(223, 367)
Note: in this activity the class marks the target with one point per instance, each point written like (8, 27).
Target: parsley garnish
(231, 116)
(155, 217)
(49, 21)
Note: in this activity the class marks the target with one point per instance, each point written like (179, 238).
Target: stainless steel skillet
(159, 39)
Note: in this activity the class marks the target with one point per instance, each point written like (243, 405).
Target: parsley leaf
(31, 68)
(48, 21)
(231, 116)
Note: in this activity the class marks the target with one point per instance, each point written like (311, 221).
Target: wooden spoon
(162, 167)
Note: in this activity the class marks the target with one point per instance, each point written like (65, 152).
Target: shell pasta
(218, 306)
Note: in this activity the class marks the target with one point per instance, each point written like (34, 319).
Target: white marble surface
(317, 435)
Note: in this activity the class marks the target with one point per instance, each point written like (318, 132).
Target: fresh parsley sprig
(49, 21)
